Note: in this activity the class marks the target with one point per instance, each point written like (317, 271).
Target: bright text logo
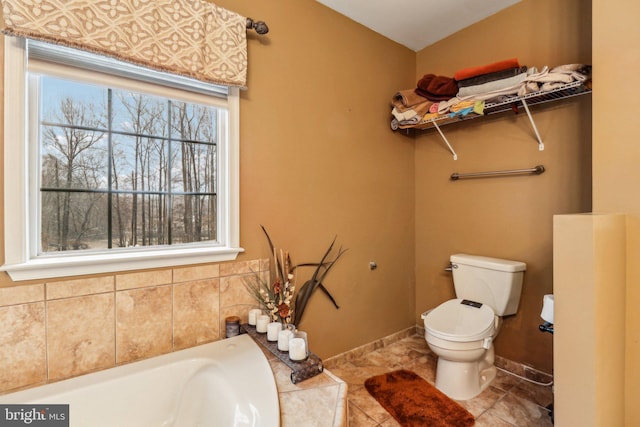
(34, 415)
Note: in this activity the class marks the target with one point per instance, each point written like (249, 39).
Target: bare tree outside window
(73, 159)
(122, 169)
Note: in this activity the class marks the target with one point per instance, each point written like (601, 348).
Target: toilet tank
(492, 281)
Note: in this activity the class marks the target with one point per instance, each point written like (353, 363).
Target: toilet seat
(458, 322)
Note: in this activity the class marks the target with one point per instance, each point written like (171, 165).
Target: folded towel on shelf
(461, 113)
(489, 77)
(404, 114)
(493, 85)
(514, 89)
(461, 106)
(408, 117)
(466, 107)
(478, 107)
(555, 78)
(404, 124)
(582, 69)
(437, 88)
(409, 97)
(577, 72)
(472, 99)
(411, 122)
(467, 73)
(412, 114)
(409, 108)
(421, 107)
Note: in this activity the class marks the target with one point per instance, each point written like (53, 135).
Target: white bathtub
(226, 383)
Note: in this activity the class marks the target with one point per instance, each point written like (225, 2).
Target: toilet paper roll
(547, 308)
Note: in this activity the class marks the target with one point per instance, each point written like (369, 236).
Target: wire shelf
(508, 103)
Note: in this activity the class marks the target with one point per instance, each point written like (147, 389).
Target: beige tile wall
(56, 330)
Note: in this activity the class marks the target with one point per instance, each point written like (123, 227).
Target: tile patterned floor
(507, 402)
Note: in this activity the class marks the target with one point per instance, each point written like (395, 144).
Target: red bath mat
(414, 402)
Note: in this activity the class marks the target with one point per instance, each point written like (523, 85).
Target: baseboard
(523, 370)
(500, 362)
(360, 351)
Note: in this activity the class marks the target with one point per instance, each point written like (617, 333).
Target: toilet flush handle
(451, 267)
(486, 343)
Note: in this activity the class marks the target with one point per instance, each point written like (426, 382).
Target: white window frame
(20, 193)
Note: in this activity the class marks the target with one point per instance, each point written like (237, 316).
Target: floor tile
(485, 400)
(489, 420)
(360, 397)
(357, 418)
(508, 402)
(541, 395)
(520, 412)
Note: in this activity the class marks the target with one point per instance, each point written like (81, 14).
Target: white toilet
(460, 331)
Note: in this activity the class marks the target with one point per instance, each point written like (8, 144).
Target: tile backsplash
(61, 329)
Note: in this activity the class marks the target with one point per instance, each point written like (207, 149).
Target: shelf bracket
(444, 138)
(533, 125)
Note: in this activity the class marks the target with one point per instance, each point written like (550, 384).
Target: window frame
(21, 192)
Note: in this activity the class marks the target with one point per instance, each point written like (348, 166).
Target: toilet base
(465, 380)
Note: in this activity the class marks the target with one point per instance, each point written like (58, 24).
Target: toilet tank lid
(488, 262)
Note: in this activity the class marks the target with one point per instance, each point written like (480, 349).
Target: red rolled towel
(437, 88)
(467, 73)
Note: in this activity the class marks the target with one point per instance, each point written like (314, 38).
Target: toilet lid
(457, 321)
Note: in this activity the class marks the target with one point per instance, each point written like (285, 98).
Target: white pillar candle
(261, 323)
(283, 339)
(253, 316)
(272, 331)
(297, 349)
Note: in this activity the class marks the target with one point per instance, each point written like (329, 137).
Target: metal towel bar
(537, 170)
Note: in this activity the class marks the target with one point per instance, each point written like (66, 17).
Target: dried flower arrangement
(276, 295)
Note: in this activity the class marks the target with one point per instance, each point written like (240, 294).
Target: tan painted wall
(616, 174)
(508, 217)
(589, 259)
(616, 153)
(318, 159)
(632, 324)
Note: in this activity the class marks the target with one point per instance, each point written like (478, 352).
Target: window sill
(75, 265)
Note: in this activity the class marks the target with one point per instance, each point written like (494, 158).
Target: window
(112, 167)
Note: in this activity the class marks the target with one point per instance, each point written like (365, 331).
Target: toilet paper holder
(547, 313)
(546, 327)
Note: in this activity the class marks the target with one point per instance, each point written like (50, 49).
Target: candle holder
(232, 326)
(273, 329)
(284, 336)
(300, 370)
(253, 315)
(261, 323)
(298, 346)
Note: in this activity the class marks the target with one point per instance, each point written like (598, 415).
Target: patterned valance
(193, 38)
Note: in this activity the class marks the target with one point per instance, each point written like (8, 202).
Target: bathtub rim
(218, 351)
